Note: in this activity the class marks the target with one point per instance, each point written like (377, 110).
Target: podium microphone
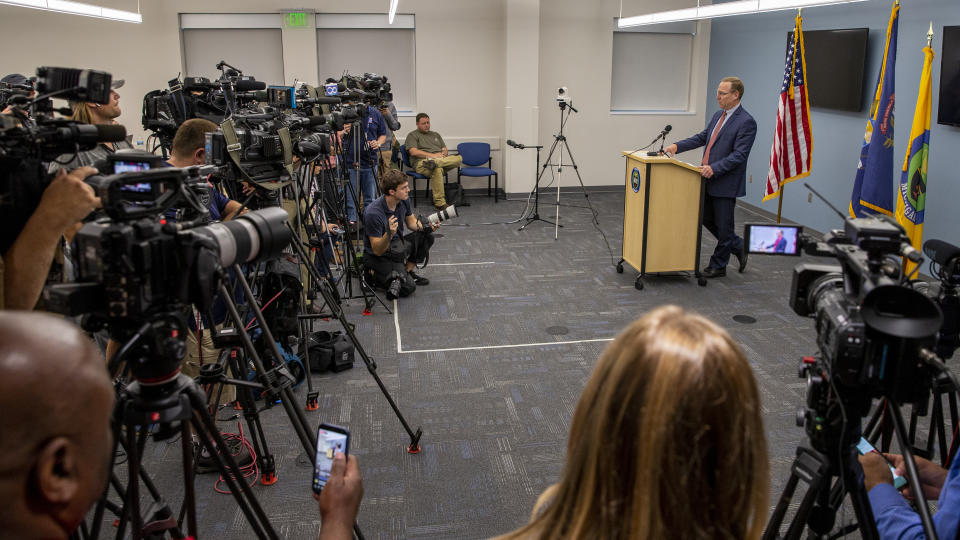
(663, 137)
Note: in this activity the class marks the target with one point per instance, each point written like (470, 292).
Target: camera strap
(287, 145)
(233, 146)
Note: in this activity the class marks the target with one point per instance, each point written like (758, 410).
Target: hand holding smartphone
(330, 440)
(864, 447)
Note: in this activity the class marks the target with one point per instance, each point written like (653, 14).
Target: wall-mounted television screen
(949, 110)
(835, 67)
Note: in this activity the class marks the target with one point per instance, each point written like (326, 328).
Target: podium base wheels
(619, 267)
(702, 282)
(638, 284)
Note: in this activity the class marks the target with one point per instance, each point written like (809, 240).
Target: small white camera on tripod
(563, 96)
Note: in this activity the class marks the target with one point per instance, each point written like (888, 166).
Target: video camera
(198, 97)
(137, 273)
(27, 144)
(871, 326)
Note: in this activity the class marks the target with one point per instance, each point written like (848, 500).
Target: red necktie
(716, 130)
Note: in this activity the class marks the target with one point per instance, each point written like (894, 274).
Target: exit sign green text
(296, 19)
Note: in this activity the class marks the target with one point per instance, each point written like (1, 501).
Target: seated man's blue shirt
(895, 518)
(376, 220)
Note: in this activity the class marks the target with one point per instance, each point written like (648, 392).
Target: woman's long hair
(667, 441)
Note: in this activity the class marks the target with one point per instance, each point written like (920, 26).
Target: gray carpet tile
(490, 361)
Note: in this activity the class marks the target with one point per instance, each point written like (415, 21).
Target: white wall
(576, 44)
(478, 75)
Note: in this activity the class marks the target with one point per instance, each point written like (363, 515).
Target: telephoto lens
(437, 217)
(255, 236)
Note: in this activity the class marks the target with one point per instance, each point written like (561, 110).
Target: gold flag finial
(930, 35)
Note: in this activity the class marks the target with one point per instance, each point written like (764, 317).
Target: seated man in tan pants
(429, 157)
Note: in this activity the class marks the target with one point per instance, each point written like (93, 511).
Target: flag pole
(780, 203)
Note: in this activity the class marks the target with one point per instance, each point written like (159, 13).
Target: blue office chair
(475, 155)
(414, 176)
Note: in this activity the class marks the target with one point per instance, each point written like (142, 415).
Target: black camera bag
(329, 351)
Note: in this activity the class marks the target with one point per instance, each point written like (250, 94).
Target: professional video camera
(875, 334)
(135, 269)
(27, 144)
(370, 88)
(198, 97)
(870, 326)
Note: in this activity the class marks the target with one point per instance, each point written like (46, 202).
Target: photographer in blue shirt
(360, 158)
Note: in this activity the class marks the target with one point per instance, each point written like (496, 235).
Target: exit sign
(295, 19)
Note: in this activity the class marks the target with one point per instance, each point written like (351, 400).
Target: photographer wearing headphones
(389, 257)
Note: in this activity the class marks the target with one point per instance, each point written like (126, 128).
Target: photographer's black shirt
(376, 220)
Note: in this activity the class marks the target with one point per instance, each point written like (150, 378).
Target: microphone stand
(536, 191)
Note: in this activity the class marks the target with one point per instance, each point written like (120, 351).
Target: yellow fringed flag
(912, 192)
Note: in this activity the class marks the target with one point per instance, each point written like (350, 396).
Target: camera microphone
(93, 133)
(515, 144)
(246, 85)
(322, 100)
(940, 251)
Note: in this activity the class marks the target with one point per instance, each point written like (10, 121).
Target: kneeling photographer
(389, 256)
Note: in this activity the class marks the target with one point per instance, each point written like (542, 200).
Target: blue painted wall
(752, 48)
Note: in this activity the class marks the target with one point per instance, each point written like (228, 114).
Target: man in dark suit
(728, 139)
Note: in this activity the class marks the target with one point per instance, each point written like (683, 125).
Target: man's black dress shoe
(713, 272)
(742, 257)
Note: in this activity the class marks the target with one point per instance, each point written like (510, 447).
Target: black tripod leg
(912, 475)
(297, 420)
(209, 436)
(189, 495)
(853, 479)
(414, 446)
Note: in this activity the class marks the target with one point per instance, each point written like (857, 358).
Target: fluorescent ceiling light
(775, 5)
(393, 11)
(726, 9)
(741, 7)
(78, 8)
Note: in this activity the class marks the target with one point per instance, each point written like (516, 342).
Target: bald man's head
(56, 399)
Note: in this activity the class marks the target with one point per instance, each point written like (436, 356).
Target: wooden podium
(662, 216)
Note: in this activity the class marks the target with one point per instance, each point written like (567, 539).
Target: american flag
(792, 150)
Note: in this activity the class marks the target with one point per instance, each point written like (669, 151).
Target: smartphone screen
(864, 447)
(330, 440)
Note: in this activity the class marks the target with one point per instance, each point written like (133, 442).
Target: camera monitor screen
(122, 166)
(772, 239)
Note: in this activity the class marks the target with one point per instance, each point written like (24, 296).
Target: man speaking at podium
(728, 139)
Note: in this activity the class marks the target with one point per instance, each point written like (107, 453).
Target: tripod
(557, 139)
(175, 403)
(833, 428)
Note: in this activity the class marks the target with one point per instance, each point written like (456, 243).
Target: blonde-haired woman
(667, 441)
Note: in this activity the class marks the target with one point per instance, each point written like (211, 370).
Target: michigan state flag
(912, 192)
(873, 186)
